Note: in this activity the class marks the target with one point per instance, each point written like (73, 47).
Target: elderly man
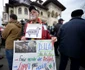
(34, 18)
(72, 41)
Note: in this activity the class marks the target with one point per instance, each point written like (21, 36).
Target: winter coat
(56, 28)
(11, 32)
(72, 38)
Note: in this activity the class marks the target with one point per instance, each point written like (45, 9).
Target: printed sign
(34, 31)
(34, 55)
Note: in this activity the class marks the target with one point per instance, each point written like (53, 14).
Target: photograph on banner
(42, 57)
(25, 47)
(33, 31)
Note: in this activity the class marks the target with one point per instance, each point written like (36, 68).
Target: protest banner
(34, 55)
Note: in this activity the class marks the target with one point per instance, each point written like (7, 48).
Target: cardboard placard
(34, 55)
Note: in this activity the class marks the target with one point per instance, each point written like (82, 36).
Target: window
(56, 15)
(19, 11)
(60, 15)
(52, 14)
(41, 13)
(26, 11)
(48, 14)
(11, 12)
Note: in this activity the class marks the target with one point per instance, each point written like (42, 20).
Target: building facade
(49, 10)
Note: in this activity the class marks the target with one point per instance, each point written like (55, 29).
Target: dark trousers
(9, 55)
(75, 64)
(56, 48)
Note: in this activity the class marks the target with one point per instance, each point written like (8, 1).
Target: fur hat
(78, 12)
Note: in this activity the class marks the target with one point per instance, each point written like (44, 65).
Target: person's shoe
(1, 57)
(1, 65)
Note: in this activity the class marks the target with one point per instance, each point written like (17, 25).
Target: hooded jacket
(11, 32)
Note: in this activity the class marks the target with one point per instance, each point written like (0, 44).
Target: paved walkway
(3, 61)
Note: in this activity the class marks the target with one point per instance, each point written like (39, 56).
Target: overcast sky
(69, 4)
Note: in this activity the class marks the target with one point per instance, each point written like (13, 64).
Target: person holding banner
(11, 32)
(34, 13)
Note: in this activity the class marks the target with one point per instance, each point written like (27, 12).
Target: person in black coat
(56, 30)
(58, 25)
(71, 40)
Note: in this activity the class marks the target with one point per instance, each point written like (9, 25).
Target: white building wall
(10, 10)
(54, 8)
(23, 15)
(44, 16)
(50, 20)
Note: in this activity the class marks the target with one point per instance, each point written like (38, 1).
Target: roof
(15, 5)
(9, 5)
(18, 4)
(39, 5)
(54, 2)
(17, 1)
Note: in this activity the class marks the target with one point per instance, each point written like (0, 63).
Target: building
(55, 9)
(49, 10)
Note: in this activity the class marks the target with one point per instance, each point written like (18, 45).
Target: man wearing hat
(34, 13)
(56, 30)
(58, 25)
(71, 40)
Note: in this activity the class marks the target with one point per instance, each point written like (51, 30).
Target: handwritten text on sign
(39, 55)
